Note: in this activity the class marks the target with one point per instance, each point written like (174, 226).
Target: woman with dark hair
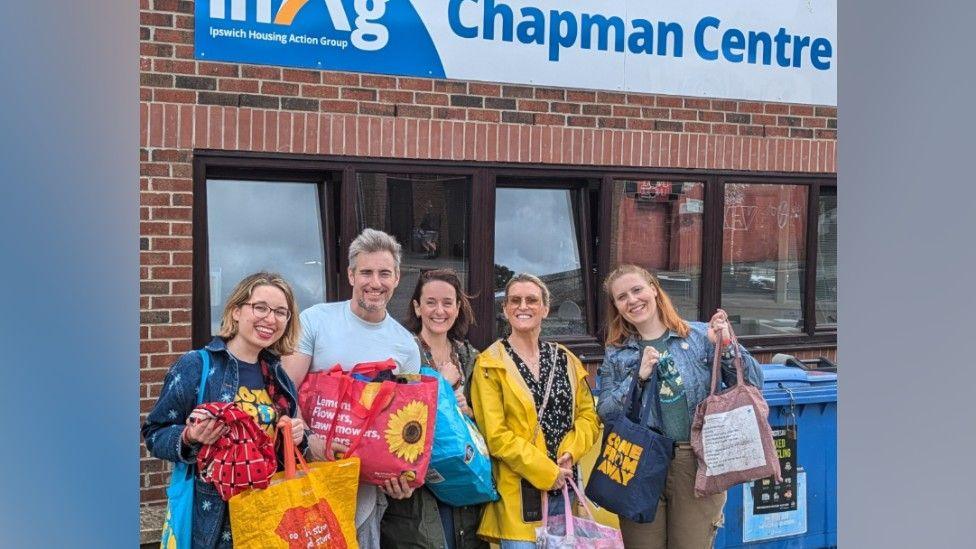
(645, 332)
(534, 406)
(259, 325)
(440, 317)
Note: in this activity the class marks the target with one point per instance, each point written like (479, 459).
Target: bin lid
(783, 385)
(779, 375)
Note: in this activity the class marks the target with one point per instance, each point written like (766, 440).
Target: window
(536, 231)
(261, 225)
(763, 253)
(658, 225)
(761, 246)
(428, 215)
(827, 257)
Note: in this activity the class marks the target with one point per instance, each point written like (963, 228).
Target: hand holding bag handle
(717, 361)
(382, 399)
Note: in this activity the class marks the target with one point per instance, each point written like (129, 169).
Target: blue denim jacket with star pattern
(165, 423)
(693, 359)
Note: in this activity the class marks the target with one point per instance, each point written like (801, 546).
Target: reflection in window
(763, 257)
(658, 225)
(827, 256)
(535, 232)
(428, 215)
(254, 226)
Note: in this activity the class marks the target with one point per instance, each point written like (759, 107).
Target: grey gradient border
(69, 316)
(907, 434)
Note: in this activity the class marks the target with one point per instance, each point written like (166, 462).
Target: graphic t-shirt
(252, 397)
(675, 420)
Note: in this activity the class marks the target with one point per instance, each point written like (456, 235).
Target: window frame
(592, 202)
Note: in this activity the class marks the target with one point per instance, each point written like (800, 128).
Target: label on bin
(775, 525)
(768, 495)
(731, 441)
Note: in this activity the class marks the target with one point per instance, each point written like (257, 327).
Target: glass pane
(658, 225)
(827, 257)
(763, 257)
(255, 225)
(428, 215)
(535, 232)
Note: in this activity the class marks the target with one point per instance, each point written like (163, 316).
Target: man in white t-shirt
(354, 331)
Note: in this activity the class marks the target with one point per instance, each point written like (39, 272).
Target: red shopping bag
(388, 425)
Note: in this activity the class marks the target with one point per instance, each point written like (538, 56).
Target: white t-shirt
(333, 334)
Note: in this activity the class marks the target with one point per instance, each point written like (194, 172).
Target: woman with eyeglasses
(439, 318)
(533, 404)
(259, 324)
(645, 333)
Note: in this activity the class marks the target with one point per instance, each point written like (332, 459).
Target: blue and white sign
(769, 50)
(775, 525)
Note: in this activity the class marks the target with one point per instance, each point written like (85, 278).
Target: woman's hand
(206, 431)
(648, 361)
(564, 475)
(451, 373)
(462, 402)
(565, 461)
(396, 488)
(298, 427)
(718, 327)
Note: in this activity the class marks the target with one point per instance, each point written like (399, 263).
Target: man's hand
(396, 488)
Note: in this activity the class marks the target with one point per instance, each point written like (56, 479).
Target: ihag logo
(368, 34)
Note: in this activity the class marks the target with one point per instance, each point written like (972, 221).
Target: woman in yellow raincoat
(531, 452)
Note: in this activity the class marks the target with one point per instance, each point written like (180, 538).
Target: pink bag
(389, 425)
(567, 530)
(730, 433)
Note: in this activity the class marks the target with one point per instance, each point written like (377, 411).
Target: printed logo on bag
(307, 527)
(620, 457)
(405, 433)
(731, 442)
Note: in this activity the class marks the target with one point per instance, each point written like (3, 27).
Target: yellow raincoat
(505, 412)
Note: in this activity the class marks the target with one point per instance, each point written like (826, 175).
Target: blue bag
(460, 468)
(178, 527)
(629, 475)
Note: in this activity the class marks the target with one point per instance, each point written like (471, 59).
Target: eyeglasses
(262, 309)
(517, 300)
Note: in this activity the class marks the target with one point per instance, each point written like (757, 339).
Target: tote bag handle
(717, 361)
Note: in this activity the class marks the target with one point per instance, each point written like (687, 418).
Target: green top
(676, 422)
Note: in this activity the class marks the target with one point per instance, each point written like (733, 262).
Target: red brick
(619, 110)
(395, 96)
(610, 97)
(776, 108)
(431, 99)
(279, 88)
(801, 110)
(640, 99)
(261, 72)
(415, 84)
(299, 75)
(550, 94)
(338, 106)
(696, 103)
(284, 133)
(532, 105)
(750, 106)
(550, 119)
(724, 105)
(175, 66)
(697, 127)
(581, 96)
(238, 85)
(270, 131)
(175, 96)
(670, 102)
(487, 90)
(377, 109)
(298, 132)
(154, 199)
(565, 108)
(215, 126)
(483, 115)
(413, 111)
(230, 128)
(173, 36)
(172, 244)
(378, 82)
(257, 130)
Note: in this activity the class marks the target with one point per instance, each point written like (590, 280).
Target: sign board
(775, 525)
(766, 50)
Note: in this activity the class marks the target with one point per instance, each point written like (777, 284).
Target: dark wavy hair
(465, 318)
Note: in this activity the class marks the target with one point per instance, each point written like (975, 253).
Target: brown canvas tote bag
(730, 433)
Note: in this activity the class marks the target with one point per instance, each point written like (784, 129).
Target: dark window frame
(593, 186)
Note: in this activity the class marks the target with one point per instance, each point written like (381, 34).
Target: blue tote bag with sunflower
(386, 420)
(460, 468)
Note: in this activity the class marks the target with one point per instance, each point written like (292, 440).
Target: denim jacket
(693, 359)
(165, 423)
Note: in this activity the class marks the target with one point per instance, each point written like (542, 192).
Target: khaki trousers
(682, 520)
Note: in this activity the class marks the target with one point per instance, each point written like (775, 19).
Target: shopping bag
(308, 505)
(632, 468)
(242, 458)
(730, 433)
(178, 525)
(567, 530)
(460, 467)
(388, 424)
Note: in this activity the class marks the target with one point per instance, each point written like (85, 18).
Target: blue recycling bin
(808, 400)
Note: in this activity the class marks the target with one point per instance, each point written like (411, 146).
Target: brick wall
(187, 105)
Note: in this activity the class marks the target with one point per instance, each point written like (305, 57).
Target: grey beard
(371, 308)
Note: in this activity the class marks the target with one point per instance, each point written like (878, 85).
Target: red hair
(618, 328)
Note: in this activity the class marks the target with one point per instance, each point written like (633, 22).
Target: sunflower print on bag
(406, 431)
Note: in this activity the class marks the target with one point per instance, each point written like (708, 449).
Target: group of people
(529, 397)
